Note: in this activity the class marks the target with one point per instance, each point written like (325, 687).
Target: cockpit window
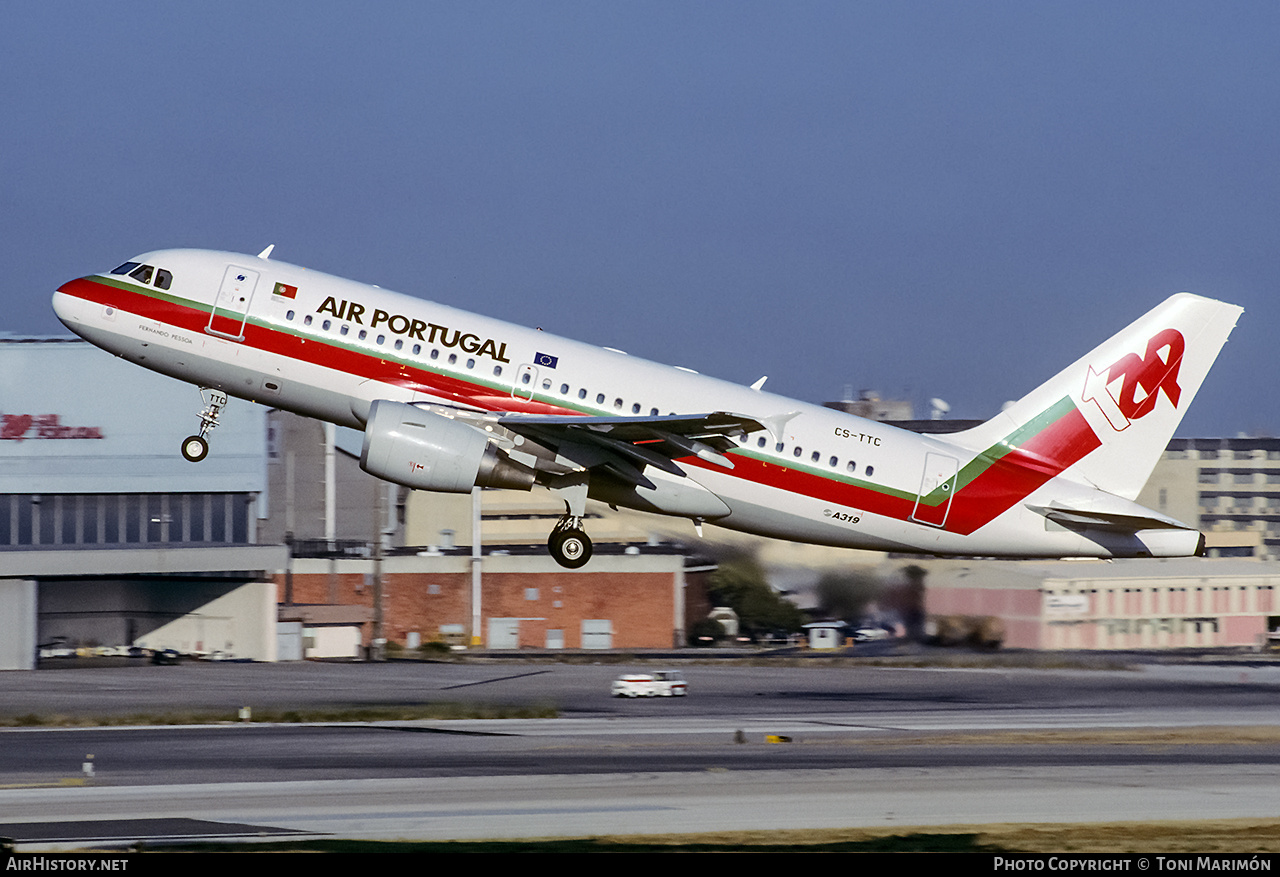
(145, 273)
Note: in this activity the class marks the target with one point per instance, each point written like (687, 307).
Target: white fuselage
(326, 347)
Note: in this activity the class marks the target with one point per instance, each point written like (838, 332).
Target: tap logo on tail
(1140, 380)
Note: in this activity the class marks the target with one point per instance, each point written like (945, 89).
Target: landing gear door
(231, 308)
(937, 485)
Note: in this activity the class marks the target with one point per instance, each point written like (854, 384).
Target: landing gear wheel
(194, 448)
(570, 548)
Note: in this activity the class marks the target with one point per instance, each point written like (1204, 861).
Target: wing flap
(620, 443)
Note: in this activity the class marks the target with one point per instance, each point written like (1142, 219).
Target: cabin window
(582, 394)
(497, 371)
(760, 442)
(564, 389)
(163, 278)
(306, 321)
(142, 273)
(852, 467)
(288, 315)
(399, 344)
(871, 471)
(326, 324)
(525, 378)
(546, 383)
(453, 358)
(435, 354)
(471, 363)
(617, 404)
(833, 462)
(798, 451)
(635, 409)
(363, 335)
(778, 447)
(344, 330)
(599, 398)
(653, 412)
(816, 456)
(381, 338)
(417, 348)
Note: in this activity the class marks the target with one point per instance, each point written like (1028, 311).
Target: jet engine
(427, 451)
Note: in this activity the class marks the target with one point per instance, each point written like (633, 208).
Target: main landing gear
(569, 544)
(196, 447)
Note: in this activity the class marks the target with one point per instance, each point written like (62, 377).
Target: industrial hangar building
(275, 546)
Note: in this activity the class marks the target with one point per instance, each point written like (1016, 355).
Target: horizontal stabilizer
(1127, 523)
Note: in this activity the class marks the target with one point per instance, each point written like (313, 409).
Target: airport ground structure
(527, 601)
(1228, 487)
(1132, 604)
(278, 547)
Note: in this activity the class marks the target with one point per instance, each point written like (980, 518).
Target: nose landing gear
(196, 447)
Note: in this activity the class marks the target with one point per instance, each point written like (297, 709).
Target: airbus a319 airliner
(450, 401)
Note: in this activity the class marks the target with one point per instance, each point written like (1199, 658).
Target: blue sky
(926, 199)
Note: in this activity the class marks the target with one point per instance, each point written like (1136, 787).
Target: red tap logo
(20, 427)
(1141, 380)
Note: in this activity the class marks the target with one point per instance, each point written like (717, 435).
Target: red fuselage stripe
(1006, 480)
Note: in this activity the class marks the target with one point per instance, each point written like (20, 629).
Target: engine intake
(426, 451)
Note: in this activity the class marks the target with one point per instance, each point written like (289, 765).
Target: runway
(958, 747)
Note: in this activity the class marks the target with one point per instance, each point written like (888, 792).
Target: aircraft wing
(625, 445)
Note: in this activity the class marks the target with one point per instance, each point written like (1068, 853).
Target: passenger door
(231, 308)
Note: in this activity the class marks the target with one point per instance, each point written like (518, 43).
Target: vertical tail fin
(1107, 417)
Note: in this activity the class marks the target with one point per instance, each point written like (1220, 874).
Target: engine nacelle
(426, 451)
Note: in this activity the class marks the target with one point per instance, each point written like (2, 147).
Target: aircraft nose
(69, 307)
(62, 306)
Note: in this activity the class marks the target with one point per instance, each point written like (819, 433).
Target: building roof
(1025, 574)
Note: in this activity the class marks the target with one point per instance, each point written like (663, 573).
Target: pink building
(1125, 604)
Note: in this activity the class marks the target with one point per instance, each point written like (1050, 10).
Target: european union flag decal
(546, 360)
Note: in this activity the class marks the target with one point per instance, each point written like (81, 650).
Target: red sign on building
(19, 427)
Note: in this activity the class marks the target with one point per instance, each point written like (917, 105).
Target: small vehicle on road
(660, 683)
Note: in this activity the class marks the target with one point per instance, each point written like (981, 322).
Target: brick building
(620, 601)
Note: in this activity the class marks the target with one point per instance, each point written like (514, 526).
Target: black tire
(194, 448)
(570, 548)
